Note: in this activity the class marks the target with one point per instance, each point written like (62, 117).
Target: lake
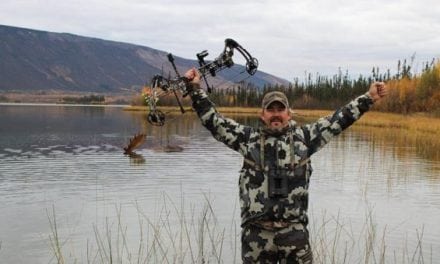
(374, 194)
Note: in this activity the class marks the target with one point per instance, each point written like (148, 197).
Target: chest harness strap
(262, 167)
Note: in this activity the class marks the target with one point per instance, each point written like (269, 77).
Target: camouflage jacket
(264, 152)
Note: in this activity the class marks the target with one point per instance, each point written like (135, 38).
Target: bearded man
(274, 179)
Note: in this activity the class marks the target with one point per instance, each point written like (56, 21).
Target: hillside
(32, 60)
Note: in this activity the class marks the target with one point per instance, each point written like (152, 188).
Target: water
(69, 159)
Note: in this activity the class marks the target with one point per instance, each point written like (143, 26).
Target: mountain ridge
(36, 60)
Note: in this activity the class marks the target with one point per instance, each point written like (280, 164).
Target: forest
(408, 92)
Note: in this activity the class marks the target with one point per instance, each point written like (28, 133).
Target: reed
(194, 235)
(54, 239)
(174, 235)
(334, 241)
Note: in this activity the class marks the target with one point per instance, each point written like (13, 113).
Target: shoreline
(60, 104)
(420, 122)
(417, 122)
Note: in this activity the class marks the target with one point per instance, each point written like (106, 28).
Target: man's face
(276, 115)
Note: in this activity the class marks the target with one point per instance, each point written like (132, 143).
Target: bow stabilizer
(161, 86)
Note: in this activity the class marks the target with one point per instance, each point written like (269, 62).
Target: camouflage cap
(275, 96)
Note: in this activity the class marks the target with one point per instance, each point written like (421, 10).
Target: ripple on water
(84, 174)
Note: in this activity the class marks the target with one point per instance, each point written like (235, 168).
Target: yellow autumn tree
(420, 93)
(428, 89)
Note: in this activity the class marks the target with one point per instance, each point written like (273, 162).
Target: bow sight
(161, 86)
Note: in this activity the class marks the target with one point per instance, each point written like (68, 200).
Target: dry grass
(173, 237)
(414, 122)
(334, 241)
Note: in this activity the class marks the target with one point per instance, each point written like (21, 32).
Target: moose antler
(136, 141)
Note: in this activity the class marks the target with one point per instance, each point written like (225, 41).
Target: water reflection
(403, 143)
(72, 157)
(136, 159)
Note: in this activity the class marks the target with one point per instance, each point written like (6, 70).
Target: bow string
(162, 86)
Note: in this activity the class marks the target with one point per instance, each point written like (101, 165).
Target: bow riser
(181, 84)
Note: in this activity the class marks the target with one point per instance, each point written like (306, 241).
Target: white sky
(287, 37)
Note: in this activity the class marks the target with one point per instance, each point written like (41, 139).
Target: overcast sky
(287, 37)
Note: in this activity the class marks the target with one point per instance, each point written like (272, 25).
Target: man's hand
(378, 90)
(193, 76)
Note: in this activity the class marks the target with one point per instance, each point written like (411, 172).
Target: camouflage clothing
(274, 179)
(287, 245)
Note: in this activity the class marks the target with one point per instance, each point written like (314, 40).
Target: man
(274, 179)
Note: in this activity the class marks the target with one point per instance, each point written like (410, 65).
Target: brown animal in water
(136, 141)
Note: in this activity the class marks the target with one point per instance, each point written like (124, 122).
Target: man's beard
(275, 119)
(275, 131)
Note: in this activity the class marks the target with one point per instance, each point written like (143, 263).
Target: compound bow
(161, 86)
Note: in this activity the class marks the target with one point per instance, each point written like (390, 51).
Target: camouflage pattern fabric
(286, 245)
(285, 153)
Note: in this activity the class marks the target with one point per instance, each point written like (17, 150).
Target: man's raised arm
(320, 132)
(225, 130)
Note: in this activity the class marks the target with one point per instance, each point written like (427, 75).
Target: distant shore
(59, 97)
(417, 122)
(61, 104)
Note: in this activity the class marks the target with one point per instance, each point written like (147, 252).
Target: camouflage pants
(283, 245)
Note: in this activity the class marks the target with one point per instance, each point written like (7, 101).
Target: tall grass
(54, 240)
(175, 235)
(334, 241)
(194, 235)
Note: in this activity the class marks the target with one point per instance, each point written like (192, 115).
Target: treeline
(321, 92)
(87, 99)
(408, 92)
(419, 93)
